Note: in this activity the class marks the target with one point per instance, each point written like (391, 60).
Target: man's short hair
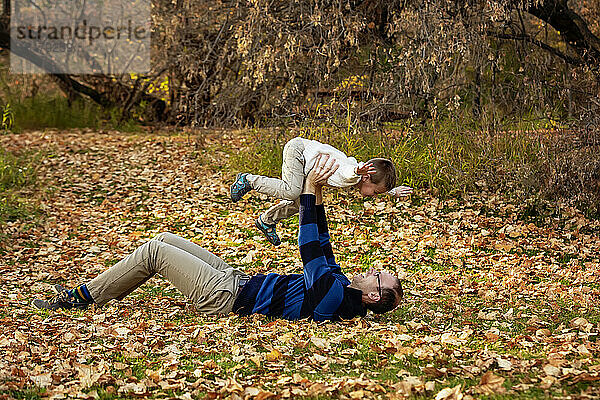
(385, 172)
(389, 299)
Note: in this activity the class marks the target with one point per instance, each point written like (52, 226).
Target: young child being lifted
(376, 176)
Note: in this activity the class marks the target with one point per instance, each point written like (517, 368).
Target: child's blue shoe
(240, 187)
(269, 231)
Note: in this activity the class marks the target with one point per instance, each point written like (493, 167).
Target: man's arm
(313, 258)
(323, 229)
(309, 235)
(324, 291)
(324, 238)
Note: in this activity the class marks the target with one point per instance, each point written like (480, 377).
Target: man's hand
(366, 169)
(325, 166)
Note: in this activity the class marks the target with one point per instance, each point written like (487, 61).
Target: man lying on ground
(321, 292)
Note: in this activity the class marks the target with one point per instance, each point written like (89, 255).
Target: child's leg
(282, 210)
(290, 185)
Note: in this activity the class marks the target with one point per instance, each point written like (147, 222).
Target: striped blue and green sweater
(321, 292)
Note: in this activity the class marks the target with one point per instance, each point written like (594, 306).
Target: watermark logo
(80, 36)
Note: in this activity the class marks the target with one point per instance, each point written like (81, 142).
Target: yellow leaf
(274, 355)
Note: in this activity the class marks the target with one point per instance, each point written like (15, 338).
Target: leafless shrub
(370, 61)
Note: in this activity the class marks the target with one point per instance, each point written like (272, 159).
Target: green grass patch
(39, 112)
(263, 156)
(14, 207)
(448, 158)
(25, 394)
(17, 171)
(19, 111)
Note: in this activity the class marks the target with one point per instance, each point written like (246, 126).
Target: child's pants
(288, 188)
(204, 278)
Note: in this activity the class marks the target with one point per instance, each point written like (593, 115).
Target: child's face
(369, 189)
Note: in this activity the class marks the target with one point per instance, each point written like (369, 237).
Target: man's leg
(290, 185)
(211, 290)
(282, 210)
(193, 249)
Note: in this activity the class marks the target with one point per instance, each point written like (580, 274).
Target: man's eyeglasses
(378, 282)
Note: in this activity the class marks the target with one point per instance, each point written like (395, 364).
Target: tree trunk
(573, 29)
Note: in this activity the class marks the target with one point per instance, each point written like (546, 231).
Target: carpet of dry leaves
(496, 305)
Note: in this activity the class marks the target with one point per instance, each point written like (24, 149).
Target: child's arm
(350, 171)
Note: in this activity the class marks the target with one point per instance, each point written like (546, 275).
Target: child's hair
(385, 172)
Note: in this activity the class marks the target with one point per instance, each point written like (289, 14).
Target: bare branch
(529, 39)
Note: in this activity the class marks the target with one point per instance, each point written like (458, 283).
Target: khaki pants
(288, 188)
(204, 278)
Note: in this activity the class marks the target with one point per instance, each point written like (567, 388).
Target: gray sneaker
(58, 288)
(61, 301)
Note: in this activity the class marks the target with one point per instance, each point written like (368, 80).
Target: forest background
(489, 109)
